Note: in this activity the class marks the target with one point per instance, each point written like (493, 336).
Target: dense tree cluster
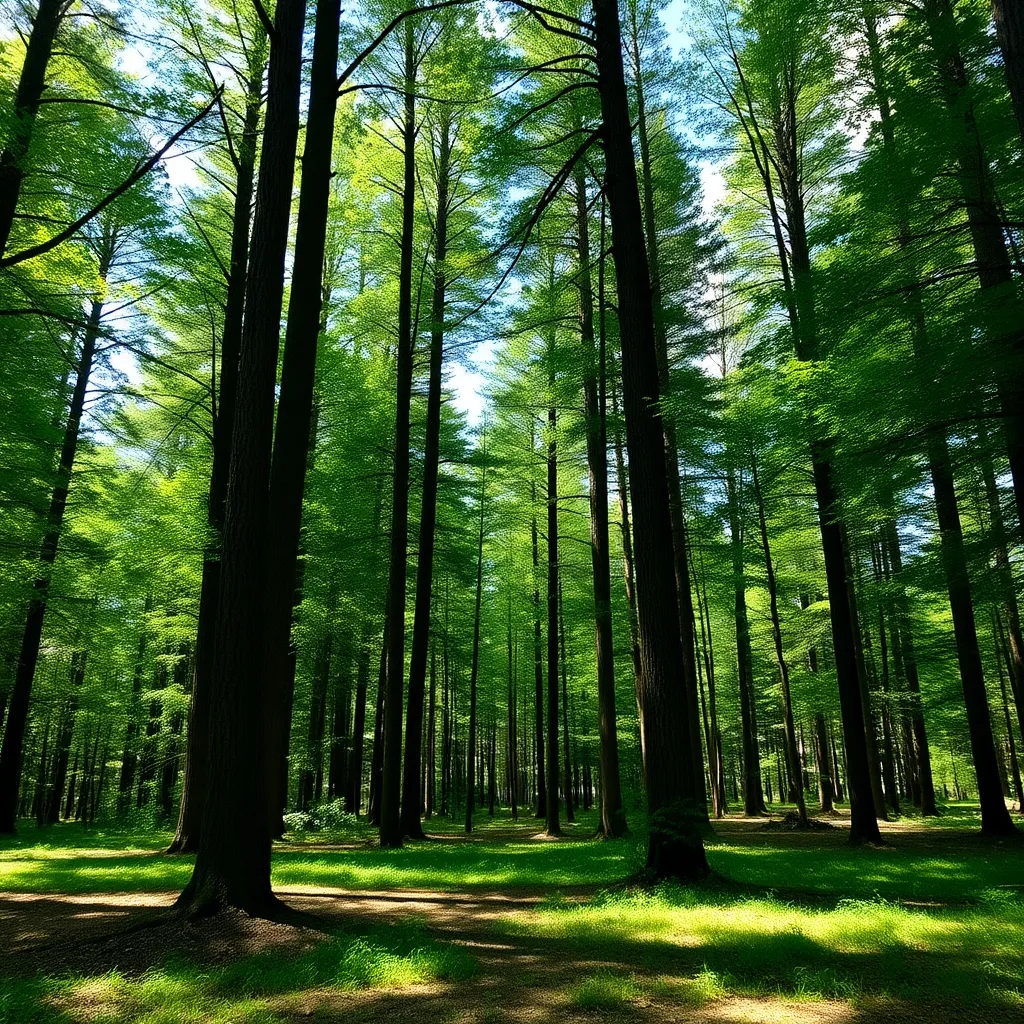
(735, 519)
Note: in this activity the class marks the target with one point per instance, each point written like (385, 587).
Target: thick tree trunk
(995, 819)
(1008, 16)
(613, 819)
(31, 85)
(292, 435)
(411, 803)
(186, 837)
(233, 861)
(28, 656)
(1002, 308)
(679, 538)
(391, 779)
(675, 800)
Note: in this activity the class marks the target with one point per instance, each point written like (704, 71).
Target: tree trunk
(292, 434)
(315, 730)
(1008, 16)
(130, 758)
(570, 795)
(542, 784)
(622, 484)
(391, 779)
(1004, 569)
(474, 671)
(675, 800)
(824, 763)
(431, 752)
(1002, 308)
(353, 789)
(186, 837)
(62, 743)
(31, 85)
(613, 818)
(753, 797)
(995, 819)
(1018, 787)
(411, 803)
(233, 861)
(512, 765)
(551, 822)
(679, 538)
(792, 755)
(17, 710)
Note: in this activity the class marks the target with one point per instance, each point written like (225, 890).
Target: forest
(511, 510)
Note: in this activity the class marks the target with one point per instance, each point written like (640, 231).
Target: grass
(933, 920)
(604, 991)
(69, 859)
(710, 941)
(260, 989)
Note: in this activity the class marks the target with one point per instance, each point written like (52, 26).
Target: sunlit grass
(604, 991)
(717, 942)
(45, 861)
(259, 989)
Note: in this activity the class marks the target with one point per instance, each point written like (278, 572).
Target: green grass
(261, 989)
(604, 991)
(69, 859)
(934, 919)
(977, 873)
(709, 941)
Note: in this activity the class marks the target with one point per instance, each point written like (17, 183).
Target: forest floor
(508, 925)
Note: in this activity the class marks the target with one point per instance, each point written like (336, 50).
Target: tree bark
(542, 785)
(792, 755)
(474, 671)
(292, 436)
(1008, 16)
(411, 803)
(679, 538)
(675, 848)
(28, 656)
(186, 837)
(613, 819)
(1002, 307)
(232, 866)
(31, 85)
(130, 758)
(391, 779)
(551, 822)
(995, 819)
(753, 796)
